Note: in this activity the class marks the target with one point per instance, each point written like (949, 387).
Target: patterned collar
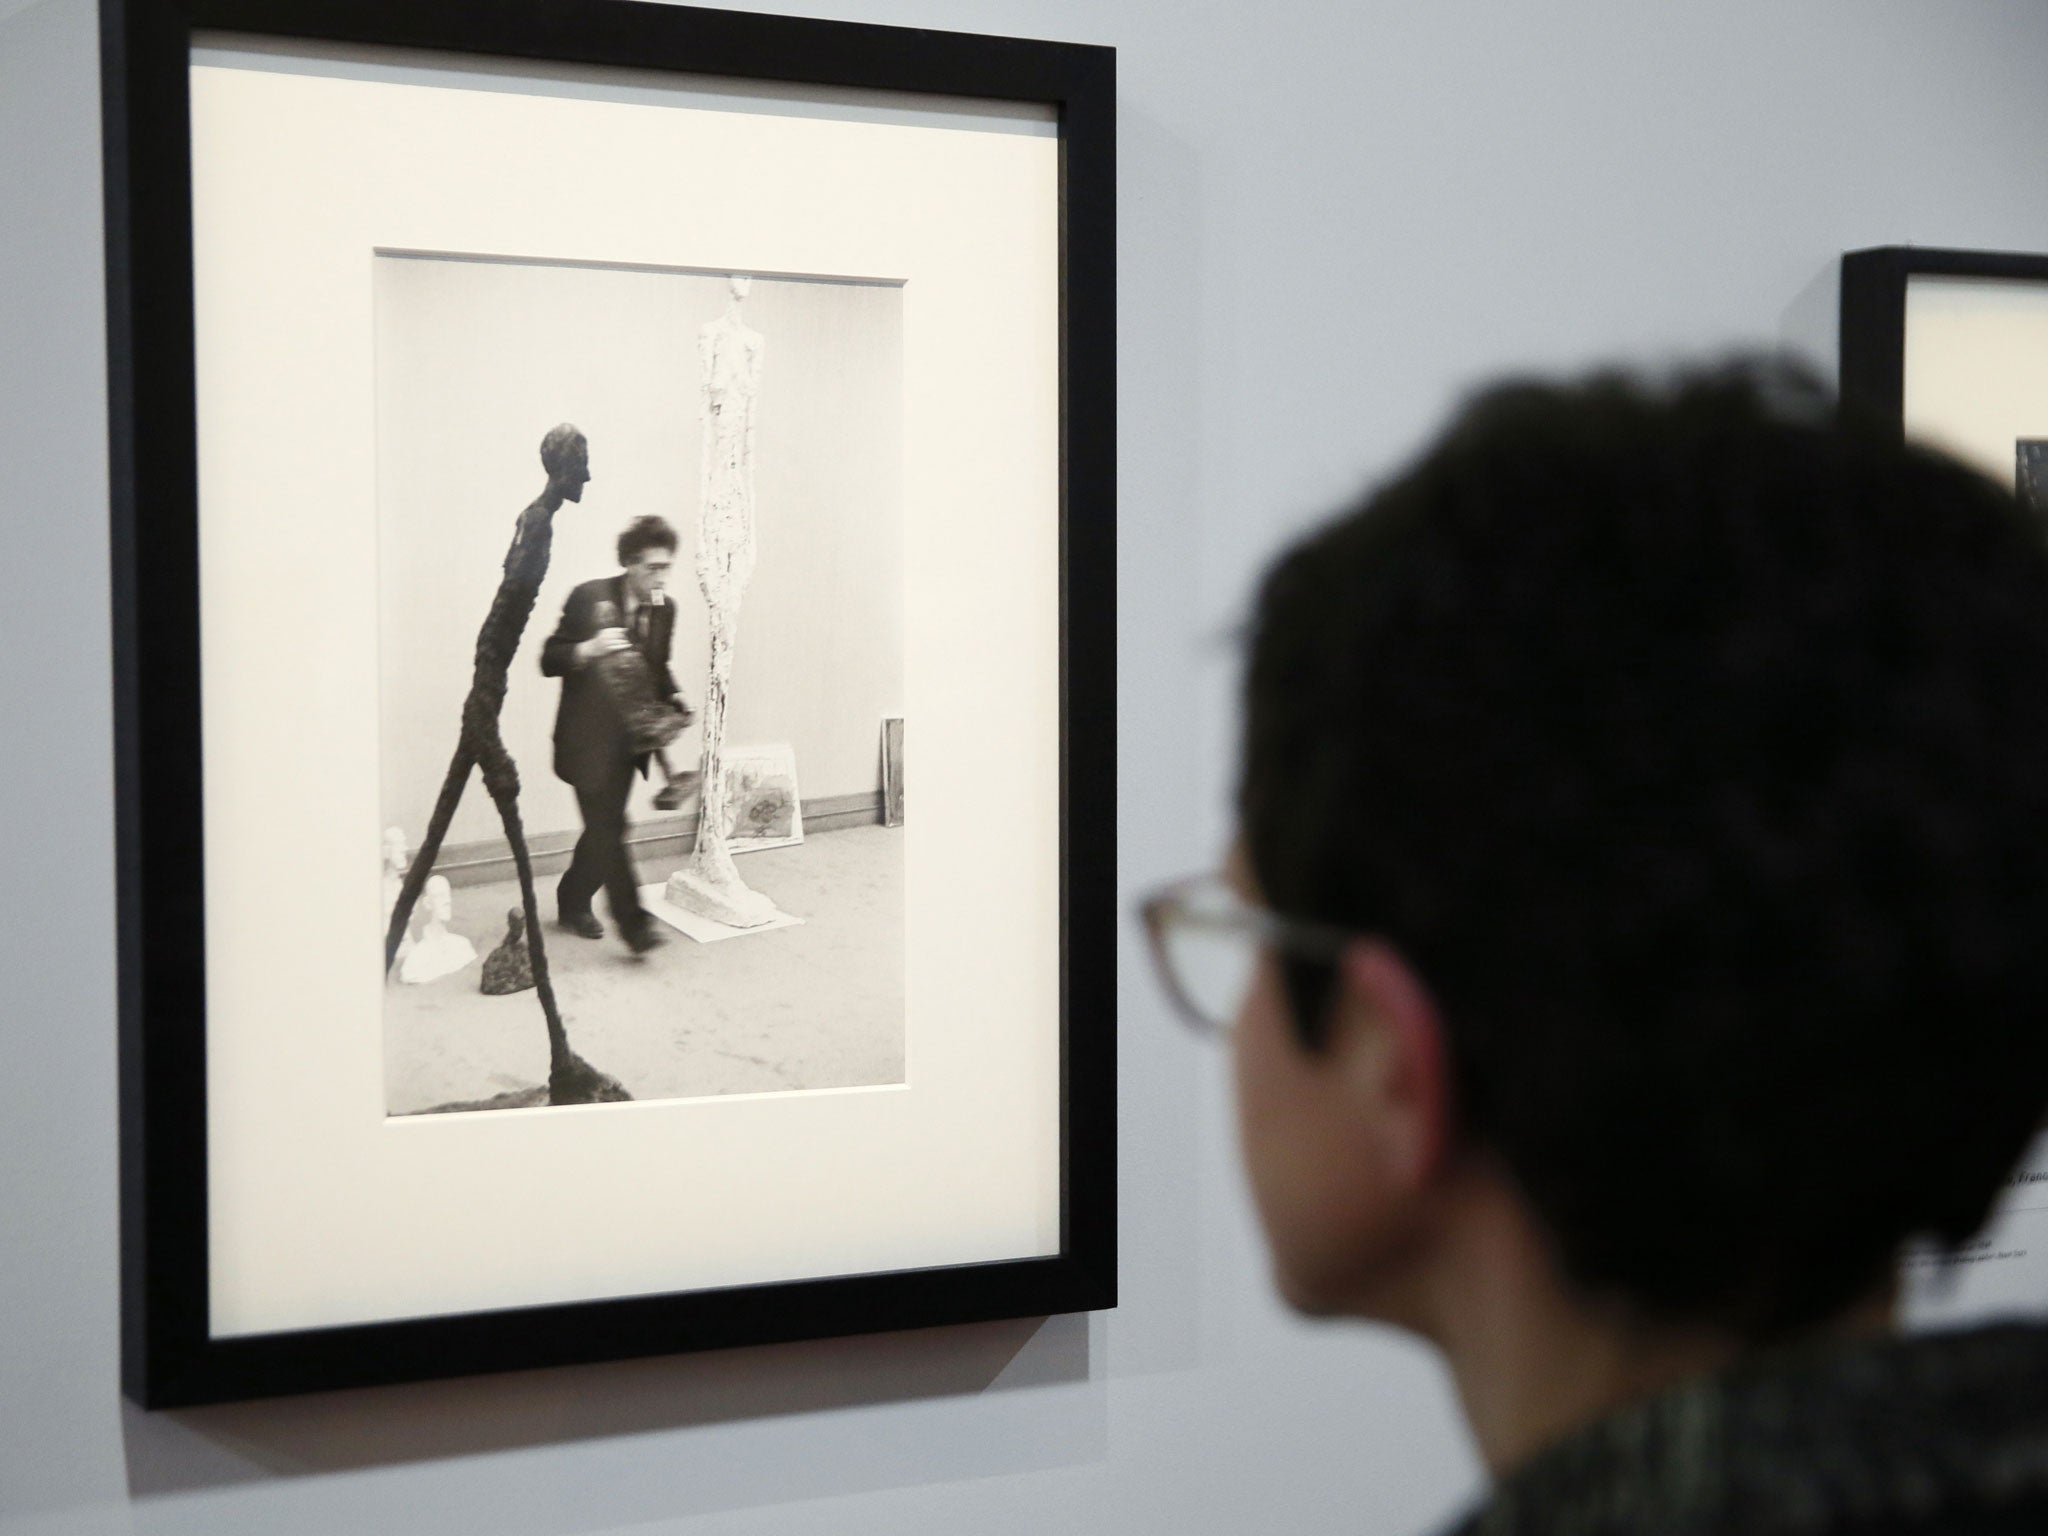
(1896, 1435)
(629, 605)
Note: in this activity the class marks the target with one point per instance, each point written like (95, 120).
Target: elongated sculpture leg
(429, 849)
(713, 857)
(571, 1079)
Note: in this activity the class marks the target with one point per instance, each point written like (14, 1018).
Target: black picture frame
(1873, 313)
(170, 1357)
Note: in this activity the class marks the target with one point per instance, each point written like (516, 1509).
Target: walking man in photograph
(596, 751)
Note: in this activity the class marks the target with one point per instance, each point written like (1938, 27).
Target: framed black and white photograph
(570, 466)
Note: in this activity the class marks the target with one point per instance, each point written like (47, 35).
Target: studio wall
(477, 360)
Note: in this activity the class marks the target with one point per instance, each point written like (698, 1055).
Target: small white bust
(436, 952)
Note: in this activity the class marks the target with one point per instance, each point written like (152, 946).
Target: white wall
(476, 360)
(1337, 214)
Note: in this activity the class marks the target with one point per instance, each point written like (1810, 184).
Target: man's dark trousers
(601, 859)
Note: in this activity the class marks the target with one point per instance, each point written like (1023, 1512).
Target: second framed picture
(545, 456)
(1953, 345)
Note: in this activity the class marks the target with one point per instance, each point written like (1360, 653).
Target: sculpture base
(435, 955)
(727, 902)
(695, 926)
(575, 1081)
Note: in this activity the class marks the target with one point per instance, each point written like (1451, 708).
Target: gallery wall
(1337, 216)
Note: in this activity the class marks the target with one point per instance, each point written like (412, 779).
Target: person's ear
(1387, 1035)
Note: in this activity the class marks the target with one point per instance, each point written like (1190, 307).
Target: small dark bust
(509, 968)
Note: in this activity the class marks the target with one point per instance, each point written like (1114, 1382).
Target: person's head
(565, 455)
(647, 553)
(1676, 757)
(737, 286)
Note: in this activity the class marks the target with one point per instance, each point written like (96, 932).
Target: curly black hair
(643, 534)
(1691, 741)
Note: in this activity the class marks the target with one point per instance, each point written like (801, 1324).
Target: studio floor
(815, 1005)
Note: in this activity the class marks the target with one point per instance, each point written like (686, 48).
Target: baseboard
(490, 859)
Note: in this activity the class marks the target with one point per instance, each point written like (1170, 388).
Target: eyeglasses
(1206, 941)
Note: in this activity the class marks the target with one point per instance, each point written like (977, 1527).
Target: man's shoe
(678, 789)
(644, 938)
(583, 924)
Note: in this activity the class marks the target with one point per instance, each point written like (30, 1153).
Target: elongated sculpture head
(565, 455)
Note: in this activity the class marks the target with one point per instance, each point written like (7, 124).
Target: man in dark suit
(594, 750)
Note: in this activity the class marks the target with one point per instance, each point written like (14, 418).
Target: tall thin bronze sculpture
(565, 455)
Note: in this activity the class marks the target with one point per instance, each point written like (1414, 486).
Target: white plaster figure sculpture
(397, 856)
(729, 354)
(436, 952)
